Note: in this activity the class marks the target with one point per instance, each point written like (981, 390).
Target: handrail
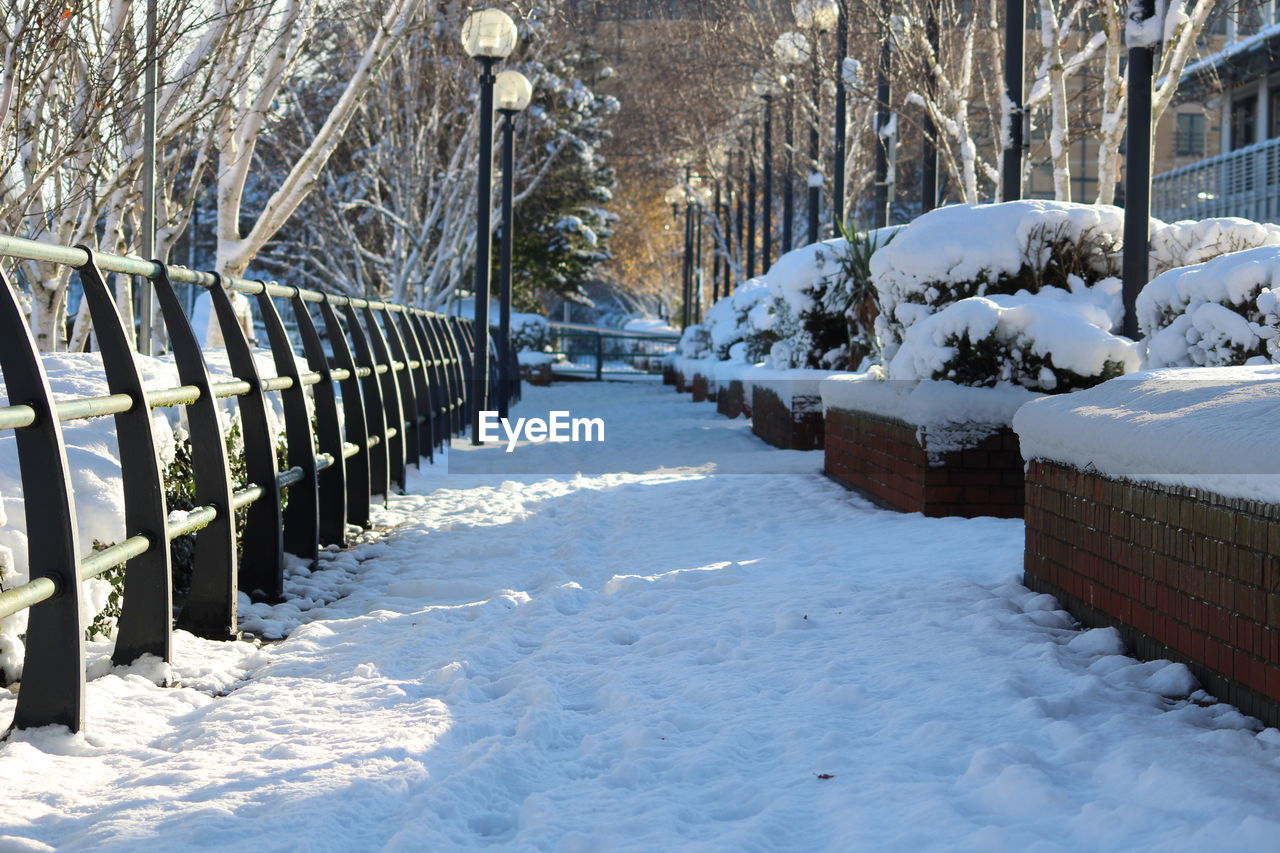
(408, 376)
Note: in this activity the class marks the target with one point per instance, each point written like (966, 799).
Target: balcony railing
(1243, 183)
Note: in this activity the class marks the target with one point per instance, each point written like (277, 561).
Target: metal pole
(507, 381)
(766, 237)
(751, 209)
(715, 256)
(838, 179)
(1137, 176)
(687, 267)
(880, 215)
(739, 216)
(484, 189)
(929, 145)
(1011, 157)
(789, 178)
(148, 224)
(815, 168)
(697, 264)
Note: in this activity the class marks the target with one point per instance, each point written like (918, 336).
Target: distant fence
(597, 351)
(1245, 182)
(399, 374)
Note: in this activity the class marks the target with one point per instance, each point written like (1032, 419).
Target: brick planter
(682, 384)
(668, 374)
(886, 460)
(700, 388)
(1183, 574)
(536, 374)
(731, 399)
(794, 426)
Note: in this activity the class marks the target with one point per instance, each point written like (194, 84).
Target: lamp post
(148, 226)
(929, 144)
(765, 87)
(751, 208)
(880, 215)
(489, 36)
(513, 92)
(842, 121)
(818, 17)
(791, 48)
(1137, 170)
(1015, 12)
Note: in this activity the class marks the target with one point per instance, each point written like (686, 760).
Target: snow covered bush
(695, 342)
(1223, 312)
(529, 332)
(1187, 242)
(852, 293)
(1018, 293)
(1047, 341)
(807, 335)
(731, 320)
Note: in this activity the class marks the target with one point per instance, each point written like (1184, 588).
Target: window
(1243, 121)
(1188, 137)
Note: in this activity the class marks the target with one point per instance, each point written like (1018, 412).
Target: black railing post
(599, 356)
(408, 392)
(209, 610)
(374, 412)
(421, 378)
(301, 516)
(393, 405)
(146, 613)
(52, 691)
(331, 486)
(355, 420)
(262, 560)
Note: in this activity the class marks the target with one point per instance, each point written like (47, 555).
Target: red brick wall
(773, 420)
(884, 460)
(731, 399)
(1185, 575)
(699, 387)
(682, 382)
(668, 374)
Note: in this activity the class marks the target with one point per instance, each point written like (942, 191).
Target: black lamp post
(513, 92)
(842, 121)
(1015, 13)
(818, 17)
(765, 87)
(880, 215)
(929, 144)
(751, 209)
(488, 35)
(1137, 172)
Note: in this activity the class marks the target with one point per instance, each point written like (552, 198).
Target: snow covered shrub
(730, 321)
(1048, 341)
(852, 294)
(1223, 312)
(1187, 242)
(1021, 293)
(529, 332)
(957, 252)
(695, 342)
(806, 334)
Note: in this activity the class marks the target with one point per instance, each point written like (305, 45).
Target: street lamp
(765, 87)
(489, 36)
(1137, 167)
(513, 92)
(818, 17)
(791, 48)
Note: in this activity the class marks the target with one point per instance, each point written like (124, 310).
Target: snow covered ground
(653, 659)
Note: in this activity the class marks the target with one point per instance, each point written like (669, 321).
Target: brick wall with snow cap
(1153, 506)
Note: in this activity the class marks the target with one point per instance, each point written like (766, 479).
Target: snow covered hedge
(1223, 312)
(1021, 293)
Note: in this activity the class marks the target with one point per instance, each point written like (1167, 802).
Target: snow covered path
(656, 660)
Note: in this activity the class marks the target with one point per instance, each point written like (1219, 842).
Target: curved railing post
(353, 416)
(262, 545)
(408, 389)
(331, 482)
(375, 413)
(390, 399)
(424, 381)
(210, 607)
(301, 517)
(146, 611)
(52, 691)
(441, 383)
(450, 334)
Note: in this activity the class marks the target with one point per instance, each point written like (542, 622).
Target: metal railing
(399, 374)
(608, 351)
(1243, 183)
